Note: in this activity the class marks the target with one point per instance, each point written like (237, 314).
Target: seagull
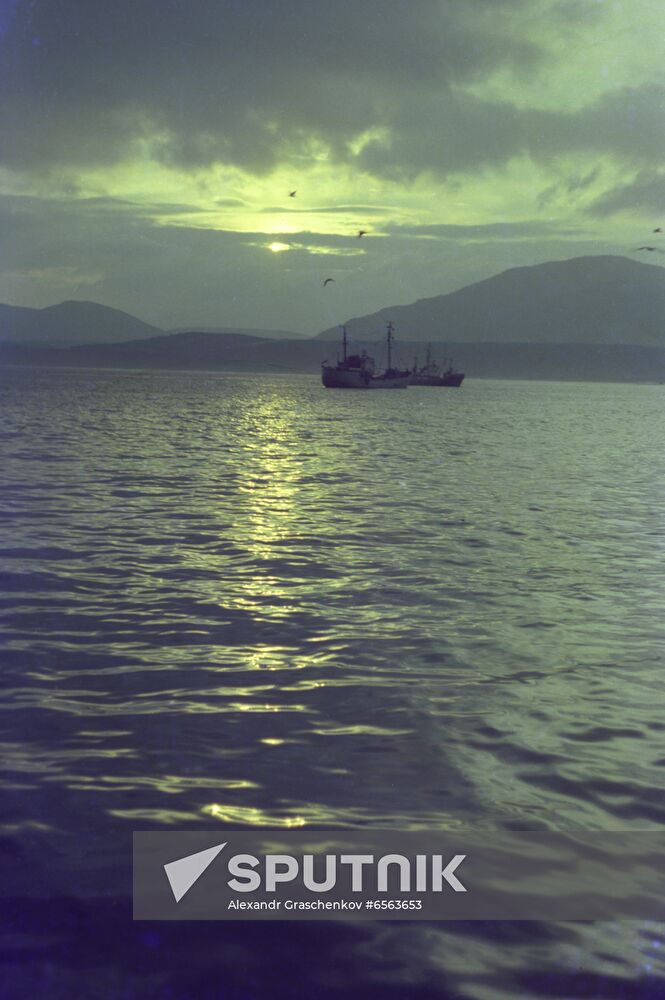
(327, 280)
(644, 248)
(292, 194)
(362, 232)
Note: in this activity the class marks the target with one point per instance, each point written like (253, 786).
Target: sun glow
(278, 247)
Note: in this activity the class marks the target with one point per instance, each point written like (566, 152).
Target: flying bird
(659, 230)
(645, 248)
(327, 280)
(292, 194)
(362, 232)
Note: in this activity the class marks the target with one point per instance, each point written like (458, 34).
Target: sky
(148, 149)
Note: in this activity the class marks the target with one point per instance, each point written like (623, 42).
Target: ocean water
(243, 601)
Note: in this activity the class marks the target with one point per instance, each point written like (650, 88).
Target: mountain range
(70, 323)
(246, 332)
(74, 322)
(586, 318)
(590, 300)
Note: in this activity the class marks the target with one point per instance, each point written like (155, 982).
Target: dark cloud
(528, 229)
(353, 88)
(222, 81)
(467, 133)
(646, 193)
(252, 83)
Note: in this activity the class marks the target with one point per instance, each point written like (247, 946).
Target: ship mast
(389, 340)
(344, 341)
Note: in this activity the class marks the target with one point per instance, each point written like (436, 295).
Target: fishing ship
(357, 371)
(432, 374)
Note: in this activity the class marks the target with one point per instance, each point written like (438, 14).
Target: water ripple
(249, 602)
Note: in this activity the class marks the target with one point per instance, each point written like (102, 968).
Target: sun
(278, 247)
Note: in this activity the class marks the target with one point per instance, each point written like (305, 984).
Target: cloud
(646, 193)
(377, 84)
(467, 133)
(400, 118)
(329, 210)
(88, 82)
(572, 187)
(178, 275)
(534, 229)
(120, 258)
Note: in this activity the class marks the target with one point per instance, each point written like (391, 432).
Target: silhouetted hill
(235, 352)
(588, 318)
(71, 323)
(246, 332)
(590, 300)
(193, 350)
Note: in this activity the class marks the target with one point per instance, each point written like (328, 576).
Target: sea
(244, 602)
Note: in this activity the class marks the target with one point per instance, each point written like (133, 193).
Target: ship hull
(339, 378)
(399, 381)
(451, 381)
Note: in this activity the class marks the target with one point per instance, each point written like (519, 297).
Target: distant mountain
(591, 318)
(71, 323)
(173, 350)
(590, 300)
(265, 334)
(235, 352)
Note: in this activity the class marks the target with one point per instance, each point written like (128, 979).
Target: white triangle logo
(183, 873)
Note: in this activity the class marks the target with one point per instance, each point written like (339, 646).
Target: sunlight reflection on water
(247, 601)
